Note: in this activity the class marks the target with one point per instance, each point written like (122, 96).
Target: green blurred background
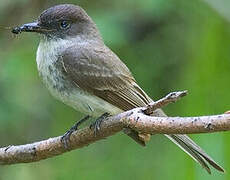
(169, 45)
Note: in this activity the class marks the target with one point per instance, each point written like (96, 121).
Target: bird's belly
(89, 104)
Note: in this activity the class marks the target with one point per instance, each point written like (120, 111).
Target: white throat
(48, 50)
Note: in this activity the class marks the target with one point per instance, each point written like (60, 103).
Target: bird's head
(61, 21)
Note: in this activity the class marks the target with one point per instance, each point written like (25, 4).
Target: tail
(186, 144)
(183, 141)
(194, 151)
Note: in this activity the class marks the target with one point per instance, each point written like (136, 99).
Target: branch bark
(135, 119)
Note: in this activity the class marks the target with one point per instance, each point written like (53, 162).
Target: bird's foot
(66, 137)
(95, 126)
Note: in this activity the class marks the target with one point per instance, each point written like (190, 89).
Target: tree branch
(170, 98)
(135, 119)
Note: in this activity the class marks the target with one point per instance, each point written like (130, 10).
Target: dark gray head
(61, 21)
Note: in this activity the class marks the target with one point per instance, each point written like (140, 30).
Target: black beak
(30, 27)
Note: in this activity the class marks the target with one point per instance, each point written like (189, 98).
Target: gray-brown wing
(100, 72)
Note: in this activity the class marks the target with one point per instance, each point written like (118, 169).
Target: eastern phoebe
(81, 71)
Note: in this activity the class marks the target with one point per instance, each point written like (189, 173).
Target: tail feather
(193, 150)
(183, 141)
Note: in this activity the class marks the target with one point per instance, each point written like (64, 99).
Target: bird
(82, 72)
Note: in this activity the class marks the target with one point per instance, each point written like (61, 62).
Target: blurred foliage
(168, 45)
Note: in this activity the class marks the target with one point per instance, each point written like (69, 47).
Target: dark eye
(64, 24)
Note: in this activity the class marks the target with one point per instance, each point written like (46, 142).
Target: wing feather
(97, 73)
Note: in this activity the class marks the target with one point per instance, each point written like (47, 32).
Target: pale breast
(53, 74)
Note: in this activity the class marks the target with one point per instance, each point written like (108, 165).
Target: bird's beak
(30, 27)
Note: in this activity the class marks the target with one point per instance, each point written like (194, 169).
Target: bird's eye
(64, 24)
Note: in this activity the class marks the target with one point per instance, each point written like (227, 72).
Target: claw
(65, 139)
(96, 126)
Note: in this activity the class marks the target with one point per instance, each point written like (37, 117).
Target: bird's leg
(95, 126)
(66, 137)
